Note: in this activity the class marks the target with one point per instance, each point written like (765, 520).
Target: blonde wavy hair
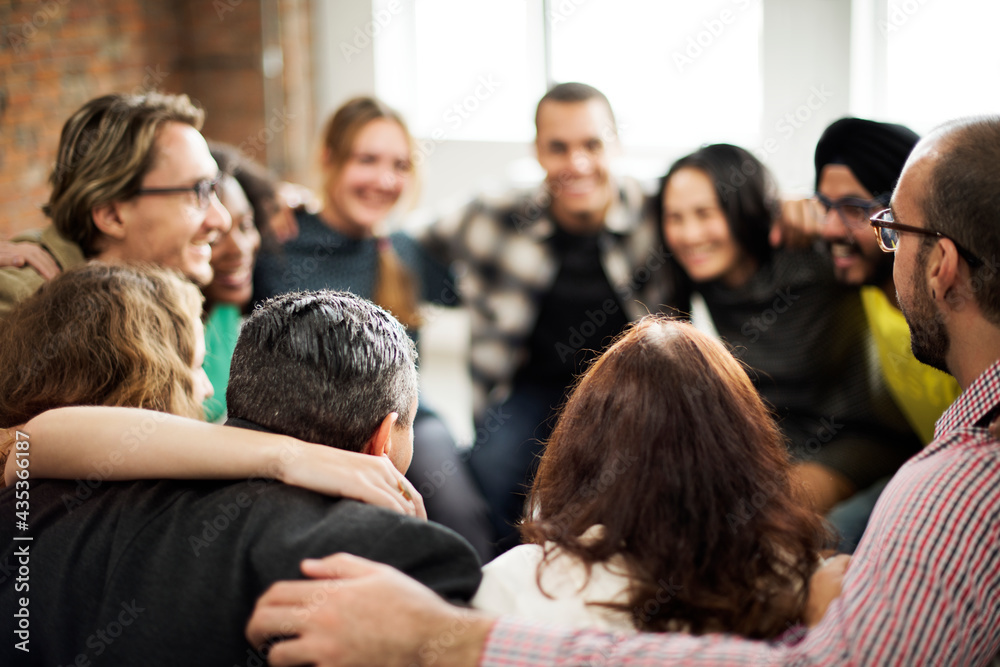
(102, 334)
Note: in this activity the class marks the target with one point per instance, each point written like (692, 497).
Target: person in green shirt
(248, 192)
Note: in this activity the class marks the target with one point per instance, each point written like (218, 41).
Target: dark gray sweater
(167, 573)
(806, 342)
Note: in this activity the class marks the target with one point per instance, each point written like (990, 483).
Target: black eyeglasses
(887, 232)
(854, 212)
(203, 189)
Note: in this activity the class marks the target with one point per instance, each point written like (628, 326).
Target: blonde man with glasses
(133, 181)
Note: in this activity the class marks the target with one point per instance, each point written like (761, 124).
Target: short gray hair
(323, 366)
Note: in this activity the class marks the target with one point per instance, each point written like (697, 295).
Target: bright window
(453, 79)
(943, 60)
(677, 74)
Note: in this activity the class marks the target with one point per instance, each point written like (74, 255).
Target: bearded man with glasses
(133, 181)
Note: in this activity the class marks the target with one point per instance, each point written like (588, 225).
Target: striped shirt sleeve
(923, 587)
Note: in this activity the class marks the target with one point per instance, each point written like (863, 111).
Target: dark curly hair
(102, 334)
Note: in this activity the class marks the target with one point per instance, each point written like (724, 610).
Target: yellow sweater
(921, 392)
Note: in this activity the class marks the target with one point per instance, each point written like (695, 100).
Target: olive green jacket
(18, 283)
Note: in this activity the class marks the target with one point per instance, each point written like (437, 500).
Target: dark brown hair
(258, 183)
(962, 197)
(666, 443)
(744, 188)
(101, 334)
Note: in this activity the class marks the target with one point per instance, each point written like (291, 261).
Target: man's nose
(217, 217)
(582, 162)
(832, 226)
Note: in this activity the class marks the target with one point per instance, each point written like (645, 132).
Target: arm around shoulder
(17, 283)
(132, 443)
(434, 555)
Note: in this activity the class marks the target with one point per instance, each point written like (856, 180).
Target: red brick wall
(57, 54)
(220, 65)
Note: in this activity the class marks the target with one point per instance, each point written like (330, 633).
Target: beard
(929, 338)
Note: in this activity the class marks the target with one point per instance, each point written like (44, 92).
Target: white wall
(805, 60)
(807, 83)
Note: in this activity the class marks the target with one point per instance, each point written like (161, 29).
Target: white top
(510, 586)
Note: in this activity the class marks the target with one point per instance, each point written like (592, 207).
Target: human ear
(381, 442)
(108, 220)
(941, 269)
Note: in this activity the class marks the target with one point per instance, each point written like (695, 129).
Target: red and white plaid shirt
(923, 587)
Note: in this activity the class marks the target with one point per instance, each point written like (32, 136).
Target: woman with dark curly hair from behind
(663, 501)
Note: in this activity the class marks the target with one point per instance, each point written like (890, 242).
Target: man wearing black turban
(857, 165)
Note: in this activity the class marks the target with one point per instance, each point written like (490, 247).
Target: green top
(222, 327)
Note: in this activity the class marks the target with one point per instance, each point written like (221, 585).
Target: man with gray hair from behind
(327, 367)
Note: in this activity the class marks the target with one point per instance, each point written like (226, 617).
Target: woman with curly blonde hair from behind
(104, 334)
